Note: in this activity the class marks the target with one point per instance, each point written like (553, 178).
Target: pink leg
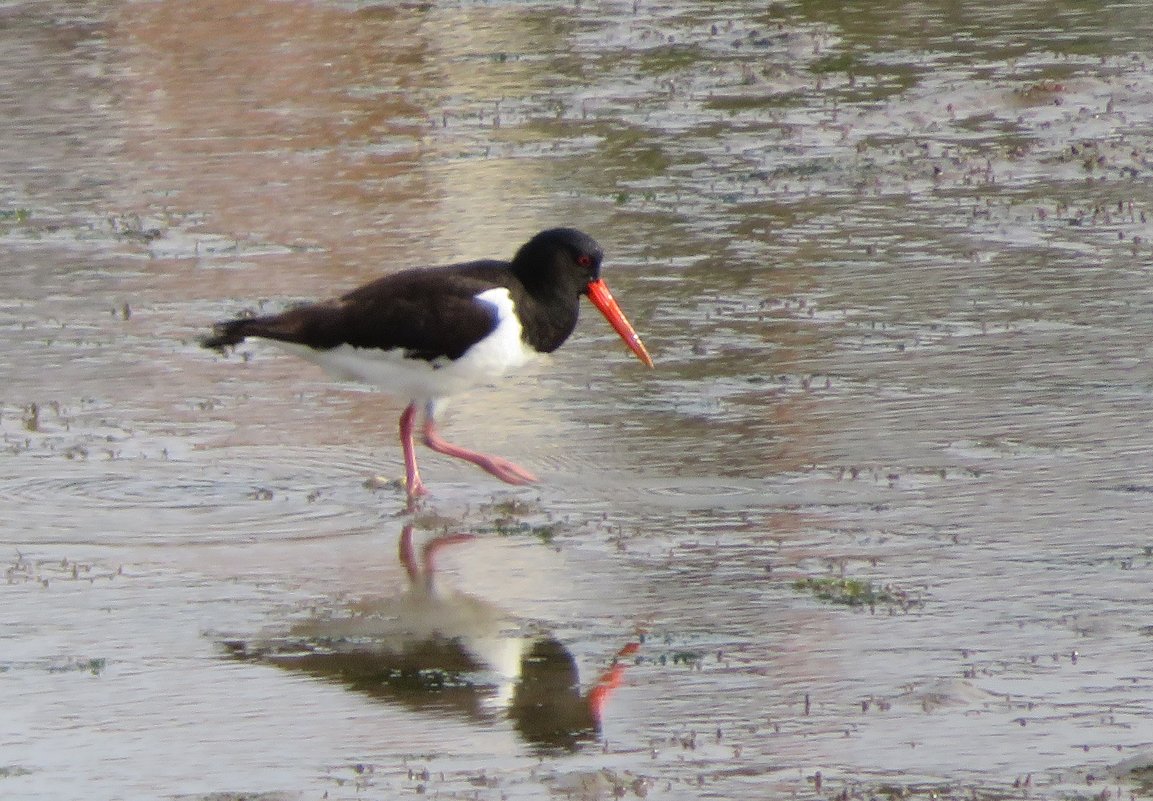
(412, 482)
(503, 469)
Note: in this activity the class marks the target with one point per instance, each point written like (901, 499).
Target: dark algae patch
(856, 593)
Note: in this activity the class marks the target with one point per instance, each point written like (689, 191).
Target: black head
(556, 267)
(561, 257)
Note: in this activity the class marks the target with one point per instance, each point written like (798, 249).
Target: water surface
(892, 260)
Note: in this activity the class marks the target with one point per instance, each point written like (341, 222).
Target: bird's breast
(504, 348)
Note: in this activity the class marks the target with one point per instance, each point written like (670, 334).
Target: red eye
(585, 260)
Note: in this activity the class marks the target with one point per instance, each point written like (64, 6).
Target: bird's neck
(548, 321)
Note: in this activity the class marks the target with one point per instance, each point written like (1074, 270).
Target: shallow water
(893, 263)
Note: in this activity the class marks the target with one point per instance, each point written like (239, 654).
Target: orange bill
(599, 294)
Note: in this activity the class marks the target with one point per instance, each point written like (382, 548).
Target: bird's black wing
(428, 313)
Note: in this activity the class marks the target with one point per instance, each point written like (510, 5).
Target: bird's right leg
(412, 483)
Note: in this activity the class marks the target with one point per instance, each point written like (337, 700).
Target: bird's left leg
(506, 471)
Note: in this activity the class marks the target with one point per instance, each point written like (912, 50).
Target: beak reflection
(446, 652)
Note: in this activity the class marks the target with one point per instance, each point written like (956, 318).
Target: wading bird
(425, 334)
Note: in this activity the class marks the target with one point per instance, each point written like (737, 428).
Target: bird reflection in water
(434, 648)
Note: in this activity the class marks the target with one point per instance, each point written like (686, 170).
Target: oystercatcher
(400, 648)
(425, 334)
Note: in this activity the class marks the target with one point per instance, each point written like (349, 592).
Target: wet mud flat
(876, 527)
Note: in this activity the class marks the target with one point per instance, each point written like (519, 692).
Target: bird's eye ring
(585, 260)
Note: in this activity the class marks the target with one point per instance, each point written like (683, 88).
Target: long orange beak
(599, 294)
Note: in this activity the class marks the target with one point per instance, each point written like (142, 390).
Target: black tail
(230, 332)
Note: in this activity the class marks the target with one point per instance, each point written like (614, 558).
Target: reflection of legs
(427, 567)
(407, 556)
(503, 469)
(433, 546)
